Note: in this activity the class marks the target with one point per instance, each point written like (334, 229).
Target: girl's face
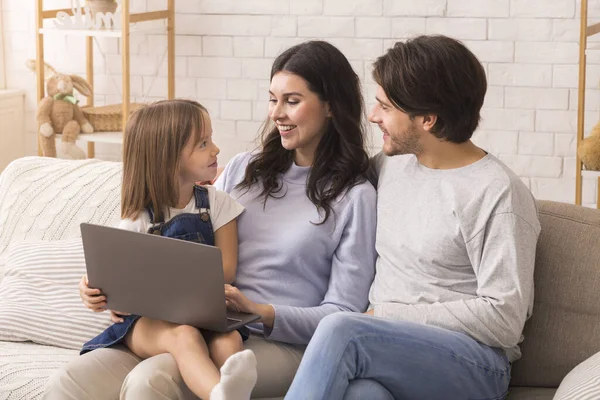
(199, 160)
(300, 115)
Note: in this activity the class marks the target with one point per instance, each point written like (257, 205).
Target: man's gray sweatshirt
(456, 248)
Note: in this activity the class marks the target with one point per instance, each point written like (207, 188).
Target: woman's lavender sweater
(306, 271)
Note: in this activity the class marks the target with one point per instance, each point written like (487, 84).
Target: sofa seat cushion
(530, 393)
(25, 367)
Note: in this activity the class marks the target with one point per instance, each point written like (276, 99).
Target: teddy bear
(58, 112)
(589, 149)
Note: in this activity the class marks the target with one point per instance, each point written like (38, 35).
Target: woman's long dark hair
(341, 160)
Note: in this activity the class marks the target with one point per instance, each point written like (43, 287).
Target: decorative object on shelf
(589, 150)
(108, 118)
(102, 6)
(58, 112)
(96, 14)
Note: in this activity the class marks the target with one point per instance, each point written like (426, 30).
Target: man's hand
(370, 312)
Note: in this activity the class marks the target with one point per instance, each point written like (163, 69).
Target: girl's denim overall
(191, 227)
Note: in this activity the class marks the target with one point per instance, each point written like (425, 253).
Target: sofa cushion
(525, 393)
(25, 368)
(44, 198)
(564, 329)
(39, 297)
(583, 382)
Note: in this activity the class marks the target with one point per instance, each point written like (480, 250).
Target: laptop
(159, 277)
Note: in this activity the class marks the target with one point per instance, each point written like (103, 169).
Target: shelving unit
(585, 32)
(124, 34)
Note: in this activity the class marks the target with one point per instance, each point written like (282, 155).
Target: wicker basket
(108, 118)
(103, 6)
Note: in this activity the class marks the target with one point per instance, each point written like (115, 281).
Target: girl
(168, 148)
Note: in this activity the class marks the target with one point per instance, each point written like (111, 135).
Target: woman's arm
(226, 238)
(352, 272)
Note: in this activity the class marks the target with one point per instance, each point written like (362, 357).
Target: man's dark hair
(435, 75)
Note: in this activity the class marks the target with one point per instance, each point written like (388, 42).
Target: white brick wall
(225, 49)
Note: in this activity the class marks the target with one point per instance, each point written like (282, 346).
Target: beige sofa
(563, 332)
(565, 327)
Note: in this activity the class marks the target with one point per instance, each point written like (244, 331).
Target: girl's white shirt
(223, 209)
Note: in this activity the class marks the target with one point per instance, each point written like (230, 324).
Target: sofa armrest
(583, 382)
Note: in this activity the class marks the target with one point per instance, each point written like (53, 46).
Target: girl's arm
(226, 238)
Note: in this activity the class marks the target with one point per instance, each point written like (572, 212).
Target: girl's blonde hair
(154, 138)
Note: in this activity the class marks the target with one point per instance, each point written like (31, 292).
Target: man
(456, 238)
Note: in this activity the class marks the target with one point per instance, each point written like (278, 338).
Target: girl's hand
(236, 301)
(92, 298)
(117, 316)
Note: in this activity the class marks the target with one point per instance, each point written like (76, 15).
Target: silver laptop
(159, 277)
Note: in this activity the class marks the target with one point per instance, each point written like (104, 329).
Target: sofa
(43, 201)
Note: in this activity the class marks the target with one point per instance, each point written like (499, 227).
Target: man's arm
(503, 257)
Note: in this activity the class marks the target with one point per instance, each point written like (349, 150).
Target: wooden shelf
(591, 30)
(590, 174)
(99, 137)
(129, 24)
(585, 31)
(116, 33)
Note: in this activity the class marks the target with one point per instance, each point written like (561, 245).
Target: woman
(306, 239)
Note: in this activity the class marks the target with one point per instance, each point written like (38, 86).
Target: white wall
(2, 74)
(225, 49)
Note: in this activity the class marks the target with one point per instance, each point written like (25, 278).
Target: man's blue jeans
(354, 356)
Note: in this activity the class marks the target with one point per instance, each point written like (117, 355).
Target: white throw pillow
(39, 295)
(582, 383)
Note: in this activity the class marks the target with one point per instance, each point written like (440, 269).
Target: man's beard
(407, 143)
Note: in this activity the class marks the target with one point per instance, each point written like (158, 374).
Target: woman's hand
(236, 301)
(93, 299)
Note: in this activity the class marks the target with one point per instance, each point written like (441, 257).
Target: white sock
(238, 377)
